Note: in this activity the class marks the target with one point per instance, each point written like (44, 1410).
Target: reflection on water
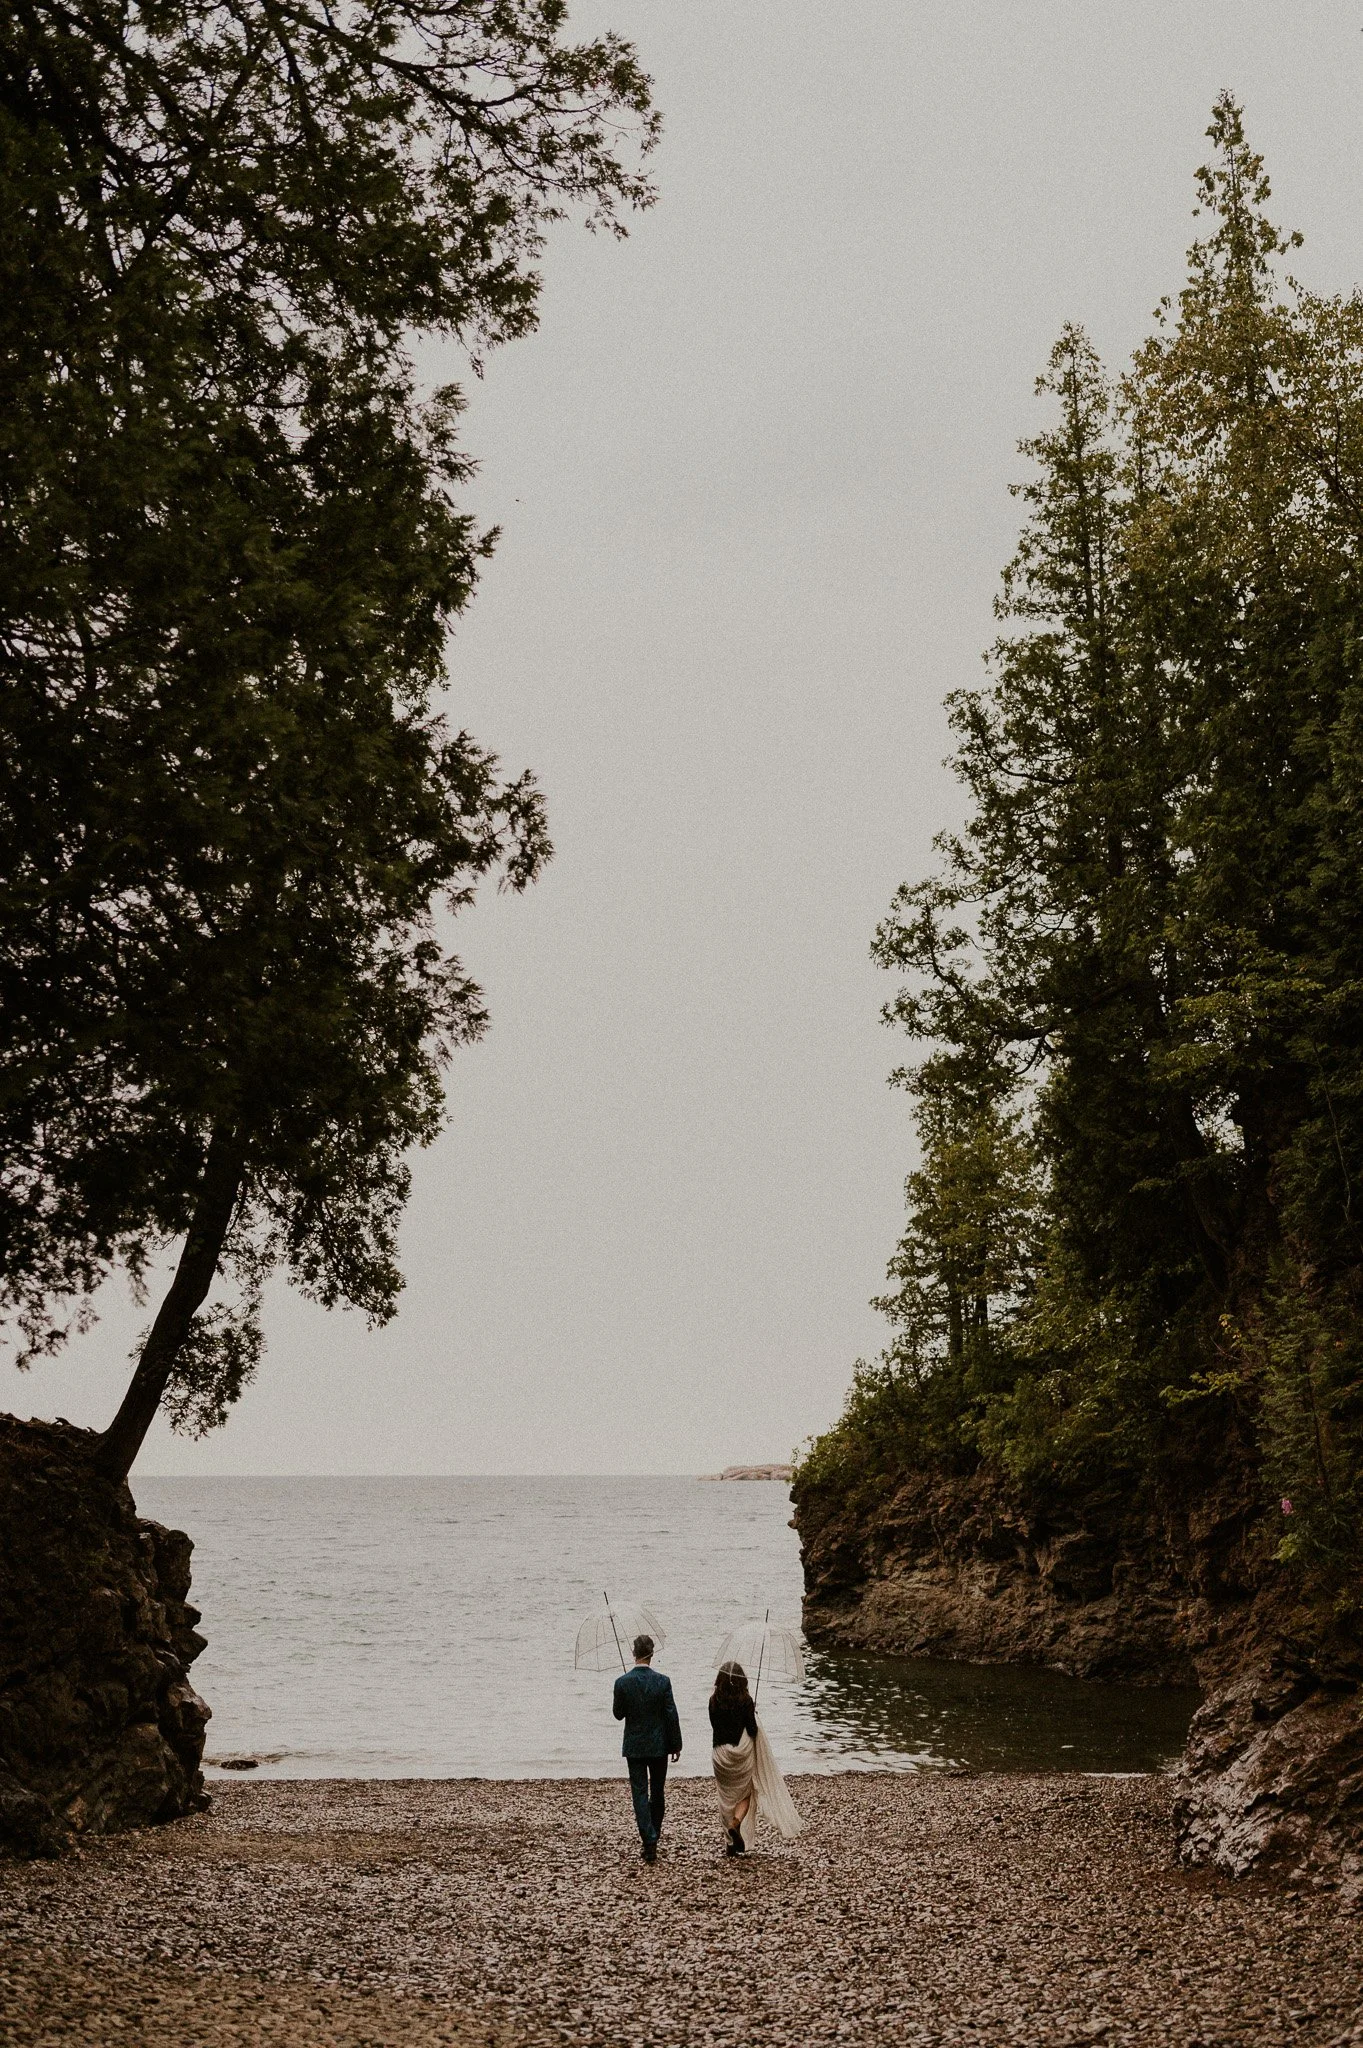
(424, 1628)
(902, 1712)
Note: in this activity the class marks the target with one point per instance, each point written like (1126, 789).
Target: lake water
(425, 1628)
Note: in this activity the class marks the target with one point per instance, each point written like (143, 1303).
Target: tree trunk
(955, 1326)
(218, 1191)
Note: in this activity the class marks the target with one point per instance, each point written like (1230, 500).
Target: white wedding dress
(749, 1770)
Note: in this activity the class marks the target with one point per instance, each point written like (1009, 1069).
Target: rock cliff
(1174, 1592)
(956, 1568)
(100, 1728)
(1272, 1777)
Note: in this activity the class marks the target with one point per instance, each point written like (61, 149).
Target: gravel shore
(914, 1910)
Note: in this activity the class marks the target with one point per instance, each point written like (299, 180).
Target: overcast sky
(753, 479)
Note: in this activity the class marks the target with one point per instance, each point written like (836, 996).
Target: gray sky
(753, 477)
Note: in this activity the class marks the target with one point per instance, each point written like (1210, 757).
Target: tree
(1149, 931)
(963, 1265)
(1254, 396)
(230, 553)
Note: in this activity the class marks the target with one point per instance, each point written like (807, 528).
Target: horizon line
(687, 1474)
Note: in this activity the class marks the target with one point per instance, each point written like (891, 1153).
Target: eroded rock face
(1273, 1773)
(100, 1728)
(1272, 1777)
(955, 1568)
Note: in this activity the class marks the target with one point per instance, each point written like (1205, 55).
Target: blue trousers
(647, 1777)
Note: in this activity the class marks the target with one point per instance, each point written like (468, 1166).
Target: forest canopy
(1136, 977)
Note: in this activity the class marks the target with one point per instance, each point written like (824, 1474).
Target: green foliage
(1300, 1351)
(213, 1365)
(1149, 937)
(230, 557)
(960, 1274)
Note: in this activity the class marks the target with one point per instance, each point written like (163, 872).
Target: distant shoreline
(780, 1472)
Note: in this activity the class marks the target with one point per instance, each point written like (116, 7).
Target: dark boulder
(100, 1727)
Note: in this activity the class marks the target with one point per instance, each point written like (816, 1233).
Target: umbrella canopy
(606, 1637)
(761, 1646)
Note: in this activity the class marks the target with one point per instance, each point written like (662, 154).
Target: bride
(747, 1776)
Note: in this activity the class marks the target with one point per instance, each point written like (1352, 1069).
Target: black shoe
(737, 1846)
(649, 1852)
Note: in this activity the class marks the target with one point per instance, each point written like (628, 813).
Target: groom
(643, 1701)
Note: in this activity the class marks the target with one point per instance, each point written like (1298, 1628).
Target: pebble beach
(916, 1908)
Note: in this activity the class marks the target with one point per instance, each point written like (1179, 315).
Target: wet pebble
(918, 1909)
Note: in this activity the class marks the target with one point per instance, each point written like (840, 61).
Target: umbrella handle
(614, 1631)
(761, 1653)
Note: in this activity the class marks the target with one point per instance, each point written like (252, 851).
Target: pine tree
(1148, 934)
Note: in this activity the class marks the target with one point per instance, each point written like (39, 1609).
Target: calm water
(424, 1628)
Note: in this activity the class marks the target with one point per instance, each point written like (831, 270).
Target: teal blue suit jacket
(643, 1701)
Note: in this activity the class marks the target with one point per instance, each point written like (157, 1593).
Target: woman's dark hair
(731, 1686)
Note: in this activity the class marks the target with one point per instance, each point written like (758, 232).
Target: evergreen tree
(1148, 935)
(230, 554)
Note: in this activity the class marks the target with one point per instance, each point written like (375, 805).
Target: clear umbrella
(607, 1634)
(760, 1644)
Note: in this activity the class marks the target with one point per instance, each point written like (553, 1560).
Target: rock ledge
(100, 1728)
(1272, 1778)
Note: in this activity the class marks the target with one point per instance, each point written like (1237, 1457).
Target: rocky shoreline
(926, 1909)
(1272, 1777)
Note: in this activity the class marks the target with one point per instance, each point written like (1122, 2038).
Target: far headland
(751, 1472)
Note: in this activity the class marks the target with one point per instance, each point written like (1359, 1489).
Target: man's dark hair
(643, 1647)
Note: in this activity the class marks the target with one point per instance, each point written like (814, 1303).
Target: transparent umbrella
(606, 1637)
(761, 1645)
